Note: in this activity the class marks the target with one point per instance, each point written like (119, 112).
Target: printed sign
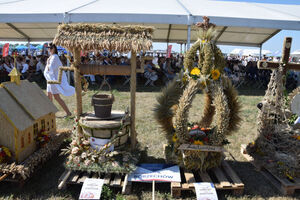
(205, 191)
(201, 148)
(91, 188)
(156, 172)
(97, 143)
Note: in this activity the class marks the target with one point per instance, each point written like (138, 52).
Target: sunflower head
(215, 74)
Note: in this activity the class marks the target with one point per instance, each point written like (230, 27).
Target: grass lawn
(43, 185)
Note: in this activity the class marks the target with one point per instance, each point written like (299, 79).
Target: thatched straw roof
(101, 36)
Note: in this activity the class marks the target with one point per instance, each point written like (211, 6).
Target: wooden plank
(234, 177)
(190, 179)
(74, 178)
(117, 181)
(175, 185)
(208, 148)
(221, 177)
(63, 179)
(126, 187)
(205, 177)
(84, 176)
(133, 135)
(107, 179)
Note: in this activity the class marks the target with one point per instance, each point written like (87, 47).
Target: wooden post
(78, 89)
(132, 97)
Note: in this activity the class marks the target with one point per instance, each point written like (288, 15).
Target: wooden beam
(132, 103)
(274, 65)
(286, 49)
(78, 89)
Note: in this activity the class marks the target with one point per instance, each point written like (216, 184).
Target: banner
(156, 172)
(5, 49)
(169, 51)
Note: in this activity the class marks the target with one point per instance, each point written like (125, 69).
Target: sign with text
(201, 148)
(91, 188)
(205, 191)
(156, 172)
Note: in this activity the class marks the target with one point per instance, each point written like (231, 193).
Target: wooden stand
(110, 179)
(223, 177)
(284, 185)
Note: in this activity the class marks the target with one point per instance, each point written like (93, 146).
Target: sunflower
(215, 74)
(195, 71)
(174, 138)
(198, 142)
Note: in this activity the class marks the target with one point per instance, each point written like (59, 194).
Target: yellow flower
(198, 142)
(298, 137)
(195, 71)
(215, 74)
(174, 138)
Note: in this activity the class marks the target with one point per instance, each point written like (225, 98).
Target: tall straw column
(132, 96)
(78, 90)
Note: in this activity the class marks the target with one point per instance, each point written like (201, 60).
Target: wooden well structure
(95, 37)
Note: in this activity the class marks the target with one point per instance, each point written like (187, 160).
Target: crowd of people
(158, 70)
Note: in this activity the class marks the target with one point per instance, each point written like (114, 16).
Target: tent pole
(28, 45)
(189, 37)
(132, 99)
(180, 48)
(184, 47)
(260, 51)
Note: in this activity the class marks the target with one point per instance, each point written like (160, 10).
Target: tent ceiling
(239, 23)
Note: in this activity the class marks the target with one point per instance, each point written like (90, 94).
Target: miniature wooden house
(24, 111)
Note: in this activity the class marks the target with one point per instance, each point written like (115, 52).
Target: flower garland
(5, 154)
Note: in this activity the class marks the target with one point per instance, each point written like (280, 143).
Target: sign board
(205, 191)
(91, 188)
(156, 172)
(201, 148)
(97, 143)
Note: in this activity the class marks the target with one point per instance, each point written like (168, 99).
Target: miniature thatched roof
(101, 36)
(24, 103)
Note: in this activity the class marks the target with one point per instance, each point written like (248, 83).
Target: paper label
(205, 191)
(91, 188)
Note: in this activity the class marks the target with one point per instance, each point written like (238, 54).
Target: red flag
(169, 51)
(5, 50)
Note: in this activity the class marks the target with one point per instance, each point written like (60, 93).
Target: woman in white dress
(51, 73)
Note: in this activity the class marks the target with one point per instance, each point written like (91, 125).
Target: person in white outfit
(51, 73)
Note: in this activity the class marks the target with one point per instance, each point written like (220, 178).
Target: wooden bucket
(102, 104)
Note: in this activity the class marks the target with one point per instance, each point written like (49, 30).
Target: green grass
(43, 185)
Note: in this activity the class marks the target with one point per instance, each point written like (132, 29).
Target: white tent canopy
(239, 23)
(296, 53)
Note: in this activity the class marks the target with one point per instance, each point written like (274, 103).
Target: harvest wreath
(220, 100)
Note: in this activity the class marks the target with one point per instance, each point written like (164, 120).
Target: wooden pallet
(223, 177)
(284, 185)
(113, 180)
